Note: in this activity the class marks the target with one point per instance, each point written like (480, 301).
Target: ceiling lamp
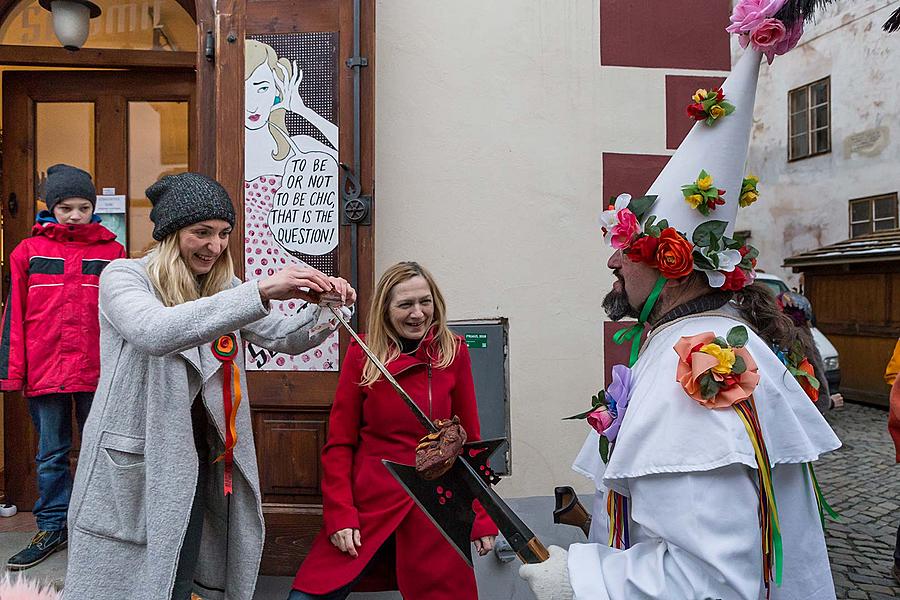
(71, 20)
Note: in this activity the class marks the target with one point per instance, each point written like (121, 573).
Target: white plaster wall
(491, 121)
(804, 204)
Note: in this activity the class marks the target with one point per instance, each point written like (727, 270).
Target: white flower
(610, 218)
(726, 260)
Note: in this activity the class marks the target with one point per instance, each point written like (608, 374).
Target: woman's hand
(287, 284)
(346, 540)
(485, 544)
(346, 291)
(292, 78)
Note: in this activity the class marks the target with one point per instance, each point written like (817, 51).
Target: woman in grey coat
(149, 518)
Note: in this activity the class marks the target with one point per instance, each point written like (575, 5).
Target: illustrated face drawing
(261, 93)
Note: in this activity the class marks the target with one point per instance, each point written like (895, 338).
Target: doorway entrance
(126, 129)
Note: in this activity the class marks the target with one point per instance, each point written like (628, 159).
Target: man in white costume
(709, 490)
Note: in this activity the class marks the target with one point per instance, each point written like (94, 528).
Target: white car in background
(826, 349)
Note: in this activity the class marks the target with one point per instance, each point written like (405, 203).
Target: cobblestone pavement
(862, 482)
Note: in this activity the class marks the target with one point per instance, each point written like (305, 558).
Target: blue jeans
(52, 417)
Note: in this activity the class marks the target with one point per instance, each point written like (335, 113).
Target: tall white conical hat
(720, 150)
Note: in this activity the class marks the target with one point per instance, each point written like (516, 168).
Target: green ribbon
(634, 332)
(779, 550)
(820, 498)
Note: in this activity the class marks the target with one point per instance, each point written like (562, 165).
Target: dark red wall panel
(678, 34)
(630, 173)
(679, 90)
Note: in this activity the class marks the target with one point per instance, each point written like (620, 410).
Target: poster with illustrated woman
(290, 172)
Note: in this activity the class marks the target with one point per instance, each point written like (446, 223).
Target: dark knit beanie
(65, 181)
(184, 199)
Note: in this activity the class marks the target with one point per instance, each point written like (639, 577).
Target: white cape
(690, 475)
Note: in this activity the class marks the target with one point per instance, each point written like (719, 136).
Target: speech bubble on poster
(304, 215)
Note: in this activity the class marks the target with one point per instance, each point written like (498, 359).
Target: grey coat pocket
(114, 504)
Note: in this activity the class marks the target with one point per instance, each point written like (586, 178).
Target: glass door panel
(157, 146)
(64, 134)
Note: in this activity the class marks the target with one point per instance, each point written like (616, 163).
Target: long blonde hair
(381, 337)
(173, 279)
(256, 54)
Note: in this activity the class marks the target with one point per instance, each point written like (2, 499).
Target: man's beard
(618, 307)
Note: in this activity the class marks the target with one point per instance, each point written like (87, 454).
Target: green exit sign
(476, 340)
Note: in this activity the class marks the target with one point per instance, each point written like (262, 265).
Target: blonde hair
(381, 338)
(174, 280)
(256, 54)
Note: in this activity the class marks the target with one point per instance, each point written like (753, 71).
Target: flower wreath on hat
(728, 263)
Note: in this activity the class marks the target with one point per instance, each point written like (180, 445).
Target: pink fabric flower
(625, 229)
(767, 35)
(790, 40)
(600, 419)
(749, 14)
(693, 365)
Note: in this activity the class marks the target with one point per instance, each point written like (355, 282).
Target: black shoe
(42, 545)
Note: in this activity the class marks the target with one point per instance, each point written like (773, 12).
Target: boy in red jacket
(50, 338)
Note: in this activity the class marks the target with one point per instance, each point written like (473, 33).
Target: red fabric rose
(696, 112)
(673, 255)
(644, 250)
(736, 280)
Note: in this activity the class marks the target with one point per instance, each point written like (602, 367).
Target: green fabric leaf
(702, 262)
(640, 206)
(739, 366)
(708, 232)
(738, 336)
(720, 342)
(709, 387)
(604, 449)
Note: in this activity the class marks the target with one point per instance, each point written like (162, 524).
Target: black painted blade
(447, 501)
(477, 455)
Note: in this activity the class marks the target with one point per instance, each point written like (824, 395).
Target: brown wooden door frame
(285, 402)
(110, 92)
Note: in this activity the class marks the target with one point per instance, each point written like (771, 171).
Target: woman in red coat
(365, 509)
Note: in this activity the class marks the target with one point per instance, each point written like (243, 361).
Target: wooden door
(290, 408)
(126, 128)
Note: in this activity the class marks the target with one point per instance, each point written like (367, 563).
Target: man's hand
(347, 540)
(549, 580)
(484, 544)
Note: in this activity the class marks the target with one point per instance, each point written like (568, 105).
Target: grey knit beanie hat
(184, 199)
(65, 181)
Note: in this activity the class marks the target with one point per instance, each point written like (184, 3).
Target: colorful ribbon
(617, 509)
(634, 332)
(225, 349)
(773, 555)
(820, 498)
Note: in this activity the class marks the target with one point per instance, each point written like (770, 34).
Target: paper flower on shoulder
(749, 191)
(799, 366)
(716, 372)
(608, 409)
(709, 106)
(702, 194)
(755, 23)
(620, 225)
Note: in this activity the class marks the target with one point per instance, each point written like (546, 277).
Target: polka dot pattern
(262, 258)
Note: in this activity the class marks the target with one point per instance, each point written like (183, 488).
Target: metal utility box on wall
(488, 343)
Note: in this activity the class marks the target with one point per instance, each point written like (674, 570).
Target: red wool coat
(366, 425)
(50, 334)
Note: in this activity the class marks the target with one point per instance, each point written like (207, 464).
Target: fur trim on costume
(20, 588)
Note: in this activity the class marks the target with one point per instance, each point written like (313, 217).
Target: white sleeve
(700, 538)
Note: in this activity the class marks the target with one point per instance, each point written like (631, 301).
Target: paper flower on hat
(620, 226)
(756, 24)
(716, 372)
(749, 191)
(702, 194)
(728, 263)
(709, 106)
